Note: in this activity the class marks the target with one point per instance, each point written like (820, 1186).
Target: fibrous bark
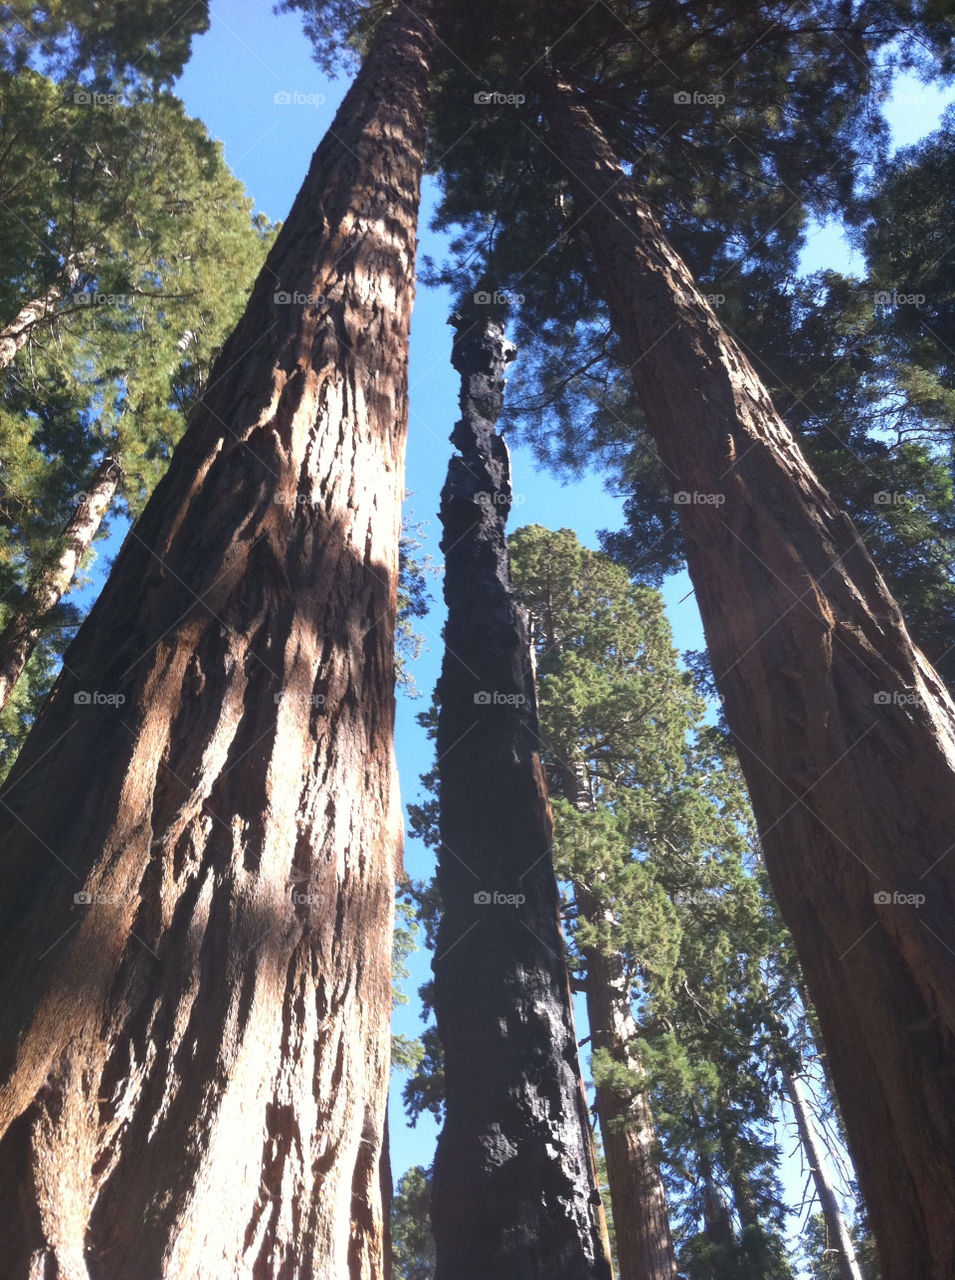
(637, 1193)
(19, 637)
(515, 1194)
(198, 842)
(839, 1238)
(845, 732)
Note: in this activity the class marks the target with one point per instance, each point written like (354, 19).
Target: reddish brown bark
(515, 1193)
(637, 1194)
(194, 1062)
(845, 732)
(19, 637)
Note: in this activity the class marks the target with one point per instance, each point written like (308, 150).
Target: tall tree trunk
(637, 1193)
(515, 1192)
(839, 1237)
(198, 880)
(845, 732)
(19, 637)
(39, 310)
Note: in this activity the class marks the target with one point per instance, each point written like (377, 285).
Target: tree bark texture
(198, 879)
(19, 637)
(515, 1193)
(32, 314)
(637, 1193)
(839, 1238)
(845, 732)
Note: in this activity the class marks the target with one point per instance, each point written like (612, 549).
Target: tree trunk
(515, 1192)
(199, 855)
(637, 1193)
(19, 637)
(845, 733)
(839, 1237)
(32, 314)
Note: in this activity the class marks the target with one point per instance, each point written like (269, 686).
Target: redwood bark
(194, 1062)
(515, 1192)
(845, 732)
(19, 637)
(637, 1193)
(839, 1238)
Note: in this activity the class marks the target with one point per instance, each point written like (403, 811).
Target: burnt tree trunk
(198, 879)
(19, 637)
(839, 1238)
(515, 1193)
(845, 732)
(637, 1193)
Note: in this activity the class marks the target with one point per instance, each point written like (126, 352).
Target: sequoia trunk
(637, 1193)
(19, 637)
(838, 1232)
(845, 732)
(515, 1194)
(200, 837)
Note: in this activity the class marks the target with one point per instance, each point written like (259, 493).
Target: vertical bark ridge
(515, 1193)
(194, 1060)
(845, 732)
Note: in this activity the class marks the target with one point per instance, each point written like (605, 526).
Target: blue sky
(238, 81)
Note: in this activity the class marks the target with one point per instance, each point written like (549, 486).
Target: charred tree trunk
(839, 1237)
(845, 732)
(637, 1193)
(515, 1192)
(19, 637)
(199, 854)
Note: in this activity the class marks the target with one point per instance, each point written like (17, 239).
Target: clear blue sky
(250, 56)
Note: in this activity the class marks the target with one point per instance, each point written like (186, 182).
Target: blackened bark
(845, 732)
(515, 1193)
(637, 1193)
(839, 1238)
(19, 637)
(198, 881)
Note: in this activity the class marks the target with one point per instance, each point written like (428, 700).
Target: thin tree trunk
(515, 1191)
(845, 732)
(198, 880)
(839, 1237)
(34, 313)
(19, 637)
(637, 1193)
